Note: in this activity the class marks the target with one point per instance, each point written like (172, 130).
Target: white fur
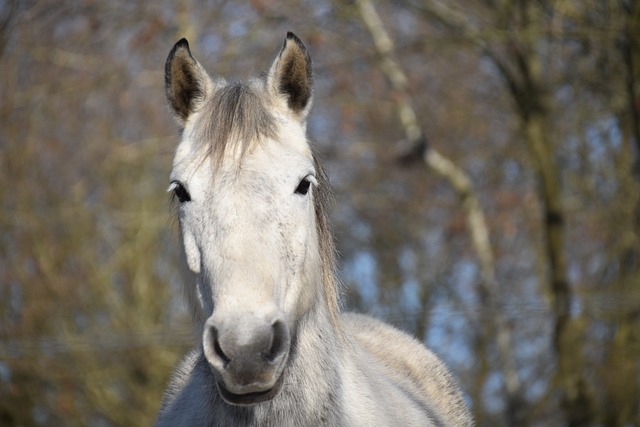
(240, 217)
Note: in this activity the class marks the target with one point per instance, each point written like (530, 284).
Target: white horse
(276, 350)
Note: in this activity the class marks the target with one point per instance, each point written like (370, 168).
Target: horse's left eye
(303, 187)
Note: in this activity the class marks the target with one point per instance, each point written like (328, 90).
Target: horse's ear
(186, 82)
(291, 77)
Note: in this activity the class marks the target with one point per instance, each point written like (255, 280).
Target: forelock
(236, 117)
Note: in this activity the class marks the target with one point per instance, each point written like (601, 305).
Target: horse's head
(245, 178)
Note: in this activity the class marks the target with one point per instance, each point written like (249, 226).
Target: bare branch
(458, 179)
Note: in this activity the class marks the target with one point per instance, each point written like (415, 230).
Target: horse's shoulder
(395, 349)
(409, 362)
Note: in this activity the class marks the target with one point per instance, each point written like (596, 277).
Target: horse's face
(246, 214)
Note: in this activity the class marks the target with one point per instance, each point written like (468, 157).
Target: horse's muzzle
(248, 355)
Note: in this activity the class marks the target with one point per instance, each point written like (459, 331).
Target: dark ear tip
(180, 44)
(292, 37)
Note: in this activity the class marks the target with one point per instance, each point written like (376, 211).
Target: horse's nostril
(279, 341)
(217, 349)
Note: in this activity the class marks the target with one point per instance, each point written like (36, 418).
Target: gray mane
(235, 117)
(323, 198)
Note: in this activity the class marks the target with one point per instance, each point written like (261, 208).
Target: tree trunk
(576, 400)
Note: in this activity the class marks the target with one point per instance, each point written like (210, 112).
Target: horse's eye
(303, 187)
(180, 192)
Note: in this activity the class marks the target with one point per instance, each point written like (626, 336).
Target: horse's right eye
(180, 192)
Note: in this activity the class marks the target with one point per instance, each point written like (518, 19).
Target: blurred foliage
(91, 317)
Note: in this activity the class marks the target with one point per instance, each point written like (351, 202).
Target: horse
(252, 200)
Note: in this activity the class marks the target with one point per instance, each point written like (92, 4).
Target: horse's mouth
(250, 398)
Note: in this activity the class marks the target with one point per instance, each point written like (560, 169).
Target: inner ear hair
(294, 75)
(185, 81)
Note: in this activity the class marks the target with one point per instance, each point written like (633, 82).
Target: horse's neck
(317, 361)
(319, 341)
(318, 347)
(311, 391)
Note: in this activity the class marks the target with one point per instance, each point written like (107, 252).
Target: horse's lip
(250, 398)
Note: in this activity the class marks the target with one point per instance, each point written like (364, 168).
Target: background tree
(536, 103)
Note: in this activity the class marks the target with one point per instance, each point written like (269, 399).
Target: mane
(235, 117)
(323, 198)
